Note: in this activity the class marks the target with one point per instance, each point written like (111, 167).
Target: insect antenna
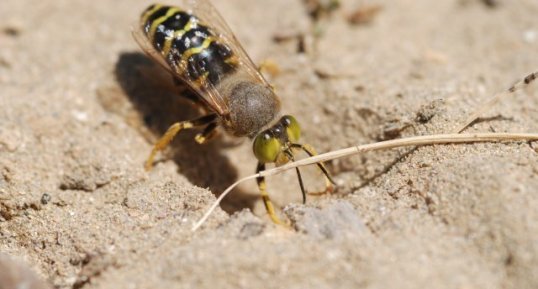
(303, 191)
(310, 153)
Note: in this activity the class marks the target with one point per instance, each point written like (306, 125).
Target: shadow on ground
(160, 102)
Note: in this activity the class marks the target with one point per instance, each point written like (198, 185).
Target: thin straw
(411, 141)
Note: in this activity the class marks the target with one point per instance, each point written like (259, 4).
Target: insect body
(197, 47)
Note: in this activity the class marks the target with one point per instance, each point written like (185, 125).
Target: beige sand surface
(80, 107)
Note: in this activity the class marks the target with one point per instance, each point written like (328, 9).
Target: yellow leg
(172, 131)
(208, 133)
(329, 182)
(265, 196)
(270, 67)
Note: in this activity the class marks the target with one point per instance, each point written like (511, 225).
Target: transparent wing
(209, 94)
(208, 15)
(144, 44)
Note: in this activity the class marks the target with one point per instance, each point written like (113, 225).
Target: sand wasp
(196, 46)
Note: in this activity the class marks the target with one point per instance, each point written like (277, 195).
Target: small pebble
(336, 220)
(45, 199)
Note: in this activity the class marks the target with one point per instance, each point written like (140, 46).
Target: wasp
(194, 43)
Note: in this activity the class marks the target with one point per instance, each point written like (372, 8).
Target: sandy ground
(80, 108)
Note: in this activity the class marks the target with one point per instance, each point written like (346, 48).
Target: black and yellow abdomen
(189, 46)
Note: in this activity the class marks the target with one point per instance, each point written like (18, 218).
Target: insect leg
(207, 134)
(172, 131)
(265, 196)
(308, 149)
(303, 191)
(270, 67)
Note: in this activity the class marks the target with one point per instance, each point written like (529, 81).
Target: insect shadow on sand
(160, 101)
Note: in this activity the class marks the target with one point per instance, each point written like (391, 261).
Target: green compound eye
(266, 148)
(293, 130)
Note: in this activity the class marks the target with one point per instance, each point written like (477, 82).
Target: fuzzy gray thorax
(253, 107)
